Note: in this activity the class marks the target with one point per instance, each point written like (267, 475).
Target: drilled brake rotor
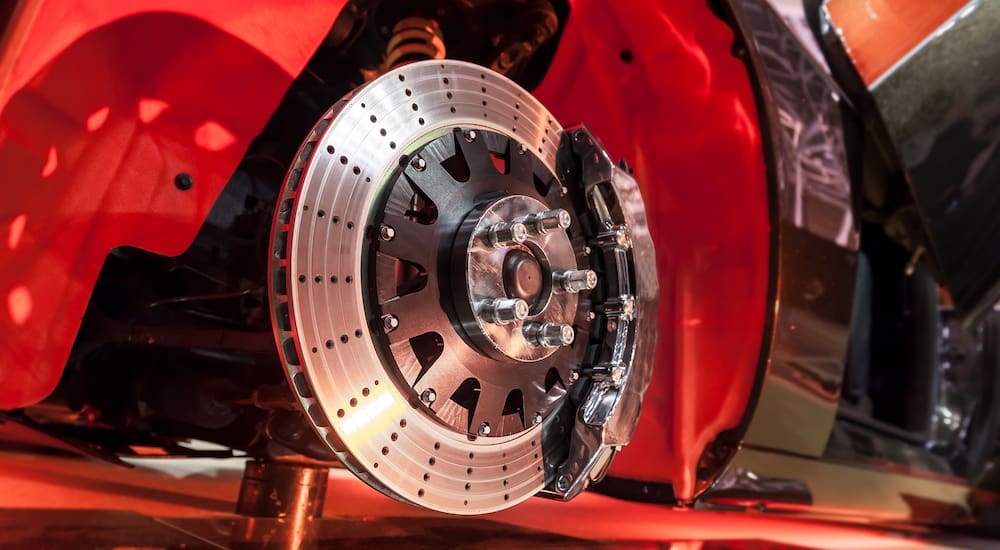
(432, 291)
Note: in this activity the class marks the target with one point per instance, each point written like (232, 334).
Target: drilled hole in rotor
(432, 461)
(365, 392)
(333, 279)
(329, 344)
(385, 451)
(340, 413)
(394, 436)
(330, 149)
(427, 477)
(420, 493)
(357, 334)
(448, 95)
(344, 339)
(302, 278)
(408, 92)
(453, 110)
(437, 445)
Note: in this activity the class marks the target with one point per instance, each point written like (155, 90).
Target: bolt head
(522, 149)
(563, 482)
(470, 135)
(484, 429)
(387, 232)
(536, 419)
(390, 322)
(418, 164)
(428, 396)
(574, 376)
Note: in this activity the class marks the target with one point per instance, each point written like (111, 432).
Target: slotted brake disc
(463, 292)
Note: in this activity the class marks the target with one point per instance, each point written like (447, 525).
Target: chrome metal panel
(801, 110)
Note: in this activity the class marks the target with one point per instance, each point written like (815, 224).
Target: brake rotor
(433, 292)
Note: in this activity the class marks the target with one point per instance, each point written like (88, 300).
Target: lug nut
(504, 310)
(386, 232)
(484, 429)
(548, 335)
(545, 222)
(390, 323)
(428, 396)
(503, 235)
(575, 280)
(616, 237)
(418, 164)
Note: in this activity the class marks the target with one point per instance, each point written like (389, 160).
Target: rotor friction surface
(333, 341)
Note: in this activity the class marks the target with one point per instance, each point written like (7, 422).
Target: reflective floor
(57, 501)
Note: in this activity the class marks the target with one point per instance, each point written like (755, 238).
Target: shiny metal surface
(359, 406)
(816, 238)
(290, 494)
(941, 107)
(620, 371)
(390, 264)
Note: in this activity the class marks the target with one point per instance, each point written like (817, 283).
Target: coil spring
(413, 39)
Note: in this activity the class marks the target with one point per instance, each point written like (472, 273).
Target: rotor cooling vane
(463, 292)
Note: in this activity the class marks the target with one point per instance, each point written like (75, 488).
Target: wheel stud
(551, 220)
(503, 235)
(575, 280)
(503, 310)
(549, 335)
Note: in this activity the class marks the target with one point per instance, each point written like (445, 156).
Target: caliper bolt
(551, 220)
(484, 429)
(470, 135)
(390, 322)
(575, 280)
(548, 335)
(537, 419)
(622, 307)
(501, 311)
(563, 483)
(503, 235)
(610, 372)
(616, 237)
(386, 232)
(522, 149)
(428, 396)
(418, 164)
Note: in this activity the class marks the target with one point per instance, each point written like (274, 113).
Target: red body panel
(102, 105)
(106, 105)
